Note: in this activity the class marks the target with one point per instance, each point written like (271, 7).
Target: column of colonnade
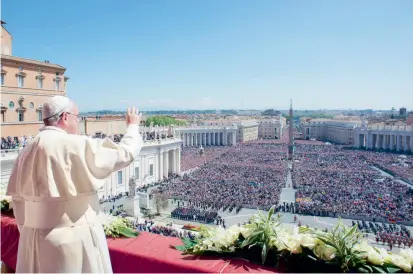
(397, 141)
(211, 138)
(168, 162)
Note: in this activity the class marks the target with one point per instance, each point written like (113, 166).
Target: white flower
(407, 254)
(219, 239)
(246, 232)
(372, 256)
(401, 262)
(294, 244)
(385, 254)
(375, 258)
(324, 252)
(307, 240)
(280, 242)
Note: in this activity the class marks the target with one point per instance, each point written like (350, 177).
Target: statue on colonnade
(132, 186)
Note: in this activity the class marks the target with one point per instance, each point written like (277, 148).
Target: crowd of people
(398, 165)
(195, 214)
(387, 234)
(192, 158)
(150, 226)
(15, 142)
(249, 175)
(114, 137)
(330, 180)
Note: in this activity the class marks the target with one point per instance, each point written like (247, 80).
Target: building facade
(25, 85)
(392, 138)
(271, 128)
(156, 161)
(108, 124)
(195, 136)
(335, 131)
(409, 119)
(247, 130)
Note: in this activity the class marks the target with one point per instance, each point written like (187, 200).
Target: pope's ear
(64, 117)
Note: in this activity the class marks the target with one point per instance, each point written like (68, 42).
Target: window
(20, 81)
(39, 116)
(151, 170)
(39, 83)
(57, 84)
(2, 79)
(120, 181)
(21, 116)
(11, 105)
(31, 105)
(136, 172)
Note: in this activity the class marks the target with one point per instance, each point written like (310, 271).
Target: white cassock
(54, 186)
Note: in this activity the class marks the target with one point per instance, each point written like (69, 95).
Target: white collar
(52, 128)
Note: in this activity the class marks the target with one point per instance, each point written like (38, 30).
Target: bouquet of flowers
(265, 241)
(116, 227)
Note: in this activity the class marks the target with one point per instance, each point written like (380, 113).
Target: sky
(222, 54)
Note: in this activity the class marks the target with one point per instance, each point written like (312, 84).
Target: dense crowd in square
(249, 175)
(332, 180)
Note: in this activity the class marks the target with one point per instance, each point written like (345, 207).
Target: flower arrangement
(116, 227)
(6, 205)
(265, 241)
(191, 227)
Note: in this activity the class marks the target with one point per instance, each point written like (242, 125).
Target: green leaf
(368, 268)
(264, 253)
(363, 270)
(328, 242)
(378, 269)
(188, 242)
(180, 247)
(350, 232)
(270, 213)
(391, 269)
(128, 232)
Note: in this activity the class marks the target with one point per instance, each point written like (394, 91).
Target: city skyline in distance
(223, 54)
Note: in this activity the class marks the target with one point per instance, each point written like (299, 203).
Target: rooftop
(30, 61)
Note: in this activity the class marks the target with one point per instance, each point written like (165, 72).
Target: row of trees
(161, 120)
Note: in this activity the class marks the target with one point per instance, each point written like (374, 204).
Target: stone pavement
(288, 192)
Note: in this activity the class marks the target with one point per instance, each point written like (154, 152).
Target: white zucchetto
(56, 106)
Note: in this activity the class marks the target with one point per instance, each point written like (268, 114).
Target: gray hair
(53, 109)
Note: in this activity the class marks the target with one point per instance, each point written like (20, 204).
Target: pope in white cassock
(53, 186)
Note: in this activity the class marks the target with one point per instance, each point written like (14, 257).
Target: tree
(161, 202)
(162, 120)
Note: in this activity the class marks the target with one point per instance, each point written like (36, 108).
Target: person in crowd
(54, 185)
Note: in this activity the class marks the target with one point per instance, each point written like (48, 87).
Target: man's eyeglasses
(76, 115)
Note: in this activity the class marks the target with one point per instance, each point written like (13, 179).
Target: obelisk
(290, 133)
